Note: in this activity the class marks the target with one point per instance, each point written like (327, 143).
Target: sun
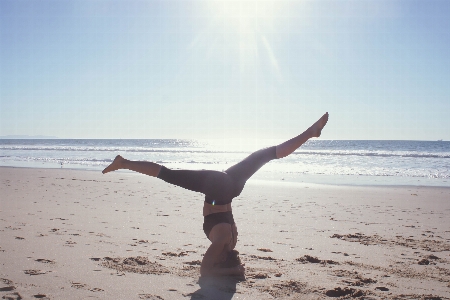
(247, 27)
(251, 21)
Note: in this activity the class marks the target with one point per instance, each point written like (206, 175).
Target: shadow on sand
(219, 288)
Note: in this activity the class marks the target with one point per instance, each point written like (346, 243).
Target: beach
(77, 234)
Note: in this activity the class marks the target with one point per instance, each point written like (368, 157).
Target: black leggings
(219, 187)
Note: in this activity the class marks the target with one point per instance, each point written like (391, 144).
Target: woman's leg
(286, 148)
(243, 170)
(144, 167)
(221, 186)
(217, 186)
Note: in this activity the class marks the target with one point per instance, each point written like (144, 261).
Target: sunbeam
(245, 28)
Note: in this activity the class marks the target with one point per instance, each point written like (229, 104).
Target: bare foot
(316, 128)
(115, 165)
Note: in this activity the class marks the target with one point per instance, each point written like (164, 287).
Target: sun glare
(239, 144)
(249, 26)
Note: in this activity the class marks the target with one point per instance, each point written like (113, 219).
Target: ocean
(348, 162)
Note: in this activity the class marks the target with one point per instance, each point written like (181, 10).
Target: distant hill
(27, 137)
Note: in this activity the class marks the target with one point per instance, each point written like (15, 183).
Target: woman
(219, 189)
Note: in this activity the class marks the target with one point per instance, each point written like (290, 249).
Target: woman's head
(232, 260)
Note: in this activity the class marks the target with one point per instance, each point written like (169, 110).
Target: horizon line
(43, 137)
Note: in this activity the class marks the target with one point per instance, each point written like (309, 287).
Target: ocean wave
(375, 153)
(363, 153)
(315, 168)
(389, 159)
(107, 149)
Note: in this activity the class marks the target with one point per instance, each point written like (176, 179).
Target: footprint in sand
(78, 285)
(193, 263)
(12, 296)
(45, 261)
(259, 276)
(424, 261)
(13, 228)
(70, 243)
(34, 272)
(264, 250)
(150, 297)
(6, 285)
(182, 253)
(194, 295)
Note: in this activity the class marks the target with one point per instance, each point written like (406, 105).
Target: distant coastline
(27, 137)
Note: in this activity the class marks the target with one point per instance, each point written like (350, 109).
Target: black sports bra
(213, 219)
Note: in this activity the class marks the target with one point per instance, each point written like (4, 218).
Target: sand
(67, 234)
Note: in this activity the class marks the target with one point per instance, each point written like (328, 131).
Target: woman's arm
(217, 252)
(208, 267)
(212, 257)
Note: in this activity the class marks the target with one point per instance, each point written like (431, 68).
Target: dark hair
(232, 260)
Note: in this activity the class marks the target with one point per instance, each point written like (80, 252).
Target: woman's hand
(239, 270)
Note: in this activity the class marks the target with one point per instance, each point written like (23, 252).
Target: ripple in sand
(262, 257)
(312, 259)
(354, 278)
(138, 264)
(286, 288)
(13, 296)
(175, 254)
(425, 244)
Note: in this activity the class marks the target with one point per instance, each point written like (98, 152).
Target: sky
(225, 69)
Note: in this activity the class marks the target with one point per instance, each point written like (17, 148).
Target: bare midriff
(213, 209)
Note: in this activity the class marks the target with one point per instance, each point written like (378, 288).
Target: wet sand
(67, 234)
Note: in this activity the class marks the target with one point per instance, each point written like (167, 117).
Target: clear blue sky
(221, 69)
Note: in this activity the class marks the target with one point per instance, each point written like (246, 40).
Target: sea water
(350, 162)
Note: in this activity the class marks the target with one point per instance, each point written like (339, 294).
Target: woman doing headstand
(219, 189)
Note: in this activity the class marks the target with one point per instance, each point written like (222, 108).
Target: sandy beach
(69, 234)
